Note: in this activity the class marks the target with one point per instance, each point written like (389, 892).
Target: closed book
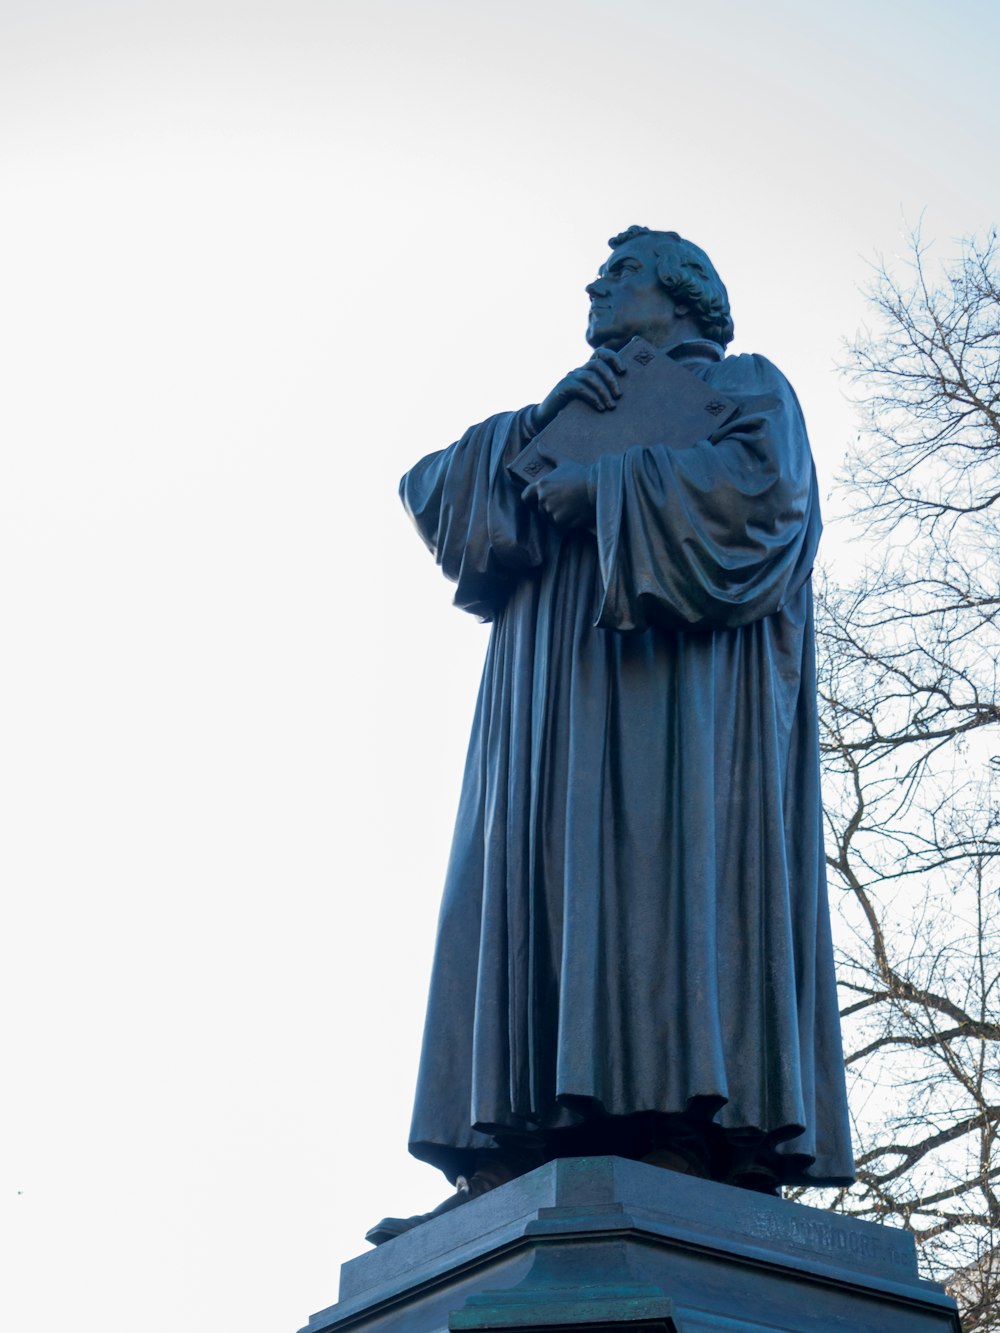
(661, 403)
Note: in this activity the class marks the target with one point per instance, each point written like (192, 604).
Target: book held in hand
(661, 403)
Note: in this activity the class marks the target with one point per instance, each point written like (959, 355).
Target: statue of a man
(634, 952)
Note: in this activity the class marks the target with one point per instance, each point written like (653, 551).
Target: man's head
(658, 285)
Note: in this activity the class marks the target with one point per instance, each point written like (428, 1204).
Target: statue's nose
(596, 288)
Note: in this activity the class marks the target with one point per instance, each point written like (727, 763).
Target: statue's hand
(595, 383)
(567, 495)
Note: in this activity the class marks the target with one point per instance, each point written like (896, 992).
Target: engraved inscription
(534, 467)
(828, 1238)
(715, 407)
(644, 356)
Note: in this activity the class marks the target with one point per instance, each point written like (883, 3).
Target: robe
(635, 915)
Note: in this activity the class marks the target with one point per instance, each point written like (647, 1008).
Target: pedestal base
(601, 1245)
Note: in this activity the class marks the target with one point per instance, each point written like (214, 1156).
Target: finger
(606, 355)
(562, 469)
(600, 385)
(529, 495)
(606, 374)
(544, 505)
(597, 397)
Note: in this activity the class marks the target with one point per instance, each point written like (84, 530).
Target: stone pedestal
(603, 1245)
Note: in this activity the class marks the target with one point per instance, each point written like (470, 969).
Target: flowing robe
(635, 915)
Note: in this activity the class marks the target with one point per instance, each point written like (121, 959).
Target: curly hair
(689, 276)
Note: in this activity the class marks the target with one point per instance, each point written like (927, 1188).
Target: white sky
(258, 258)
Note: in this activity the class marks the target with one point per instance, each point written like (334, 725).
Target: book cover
(661, 403)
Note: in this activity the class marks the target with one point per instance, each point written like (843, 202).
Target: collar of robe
(697, 349)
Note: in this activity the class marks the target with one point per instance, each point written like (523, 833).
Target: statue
(634, 951)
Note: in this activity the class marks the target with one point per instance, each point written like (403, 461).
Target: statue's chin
(614, 341)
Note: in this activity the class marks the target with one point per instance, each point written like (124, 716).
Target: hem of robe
(570, 1112)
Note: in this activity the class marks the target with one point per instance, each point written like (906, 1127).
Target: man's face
(627, 299)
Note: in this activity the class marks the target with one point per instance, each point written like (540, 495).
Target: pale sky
(259, 258)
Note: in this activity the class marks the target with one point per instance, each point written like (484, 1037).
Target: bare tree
(908, 677)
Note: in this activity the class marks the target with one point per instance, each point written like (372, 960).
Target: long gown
(635, 915)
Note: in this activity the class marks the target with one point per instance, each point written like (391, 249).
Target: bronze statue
(634, 949)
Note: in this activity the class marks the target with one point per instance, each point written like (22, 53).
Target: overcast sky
(258, 258)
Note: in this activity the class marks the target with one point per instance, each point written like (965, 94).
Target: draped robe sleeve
(470, 515)
(717, 535)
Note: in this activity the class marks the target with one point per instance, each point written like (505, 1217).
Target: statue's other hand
(566, 495)
(595, 383)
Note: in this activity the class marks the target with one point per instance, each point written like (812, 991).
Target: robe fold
(635, 915)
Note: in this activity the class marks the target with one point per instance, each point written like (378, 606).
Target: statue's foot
(759, 1178)
(390, 1227)
(748, 1171)
(479, 1183)
(688, 1159)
